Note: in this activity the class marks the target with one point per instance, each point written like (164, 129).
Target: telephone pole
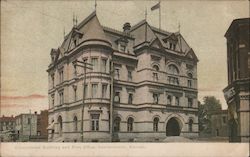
(85, 66)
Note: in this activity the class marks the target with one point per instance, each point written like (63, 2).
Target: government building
(237, 92)
(137, 84)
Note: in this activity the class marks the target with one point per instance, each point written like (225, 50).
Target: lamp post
(85, 66)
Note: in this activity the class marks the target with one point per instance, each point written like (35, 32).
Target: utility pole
(29, 120)
(111, 100)
(85, 66)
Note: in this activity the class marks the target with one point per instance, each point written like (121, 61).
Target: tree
(210, 104)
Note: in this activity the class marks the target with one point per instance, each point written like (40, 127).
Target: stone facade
(237, 92)
(142, 79)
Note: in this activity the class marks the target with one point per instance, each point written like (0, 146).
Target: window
(117, 97)
(53, 80)
(130, 124)
(60, 125)
(95, 122)
(190, 102)
(170, 46)
(190, 125)
(85, 91)
(75, 92)
(104, 90)
(29, 120)
(75, 123)
(61, 76)
(52, 100)
(38, 133)
(189, 83)
(104, 65)
(129, 75)
(155, 76)
(177, 101)
(173, 80)
(173, 69)
(61, 98)
(117, 73)
(174, 47)
(122, 48)
(75, 70)
(169, 100)
(155, 124)
(117, 122)
(75, 42)
(94, 91)
(38, 121)
(130, 98)
(156, 68)
(94, 62)
(224, 120)
(156, 98)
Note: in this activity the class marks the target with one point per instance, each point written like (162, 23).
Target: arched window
(130, 124)
(75, 123)
(60, 125)
(190, 125)
(173, 69)
(155, 67)
(155, 125)
(117, 122)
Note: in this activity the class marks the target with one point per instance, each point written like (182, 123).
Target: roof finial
(146, 13)
(95, 5)
(179, 27)
(73, 19)
(64, 32)
(76, 20)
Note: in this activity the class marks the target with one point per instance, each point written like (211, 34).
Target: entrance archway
(173, 127)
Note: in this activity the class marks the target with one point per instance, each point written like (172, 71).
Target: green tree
(210, 104)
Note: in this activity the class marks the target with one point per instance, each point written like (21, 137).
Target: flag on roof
(157, 6)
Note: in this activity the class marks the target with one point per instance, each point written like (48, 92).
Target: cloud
(12, 105)
(28, 97)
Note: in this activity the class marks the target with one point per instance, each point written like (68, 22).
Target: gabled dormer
(171, 41)
(191, 55)
(54, 55)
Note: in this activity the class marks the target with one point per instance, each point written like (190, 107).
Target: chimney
(126, 27)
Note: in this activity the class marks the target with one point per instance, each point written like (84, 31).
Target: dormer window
(75, 43)
(122, 48)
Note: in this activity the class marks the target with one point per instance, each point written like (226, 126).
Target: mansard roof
(143, 32)
(90, 29)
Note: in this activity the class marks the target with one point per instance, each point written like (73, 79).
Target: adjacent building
(139, 84)
(219, 123)
(26, 126)
(7, 127)
(237, 92)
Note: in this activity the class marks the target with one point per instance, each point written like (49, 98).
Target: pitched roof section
(94, 30)
(143, 32)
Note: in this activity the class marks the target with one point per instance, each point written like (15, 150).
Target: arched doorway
(173, 127)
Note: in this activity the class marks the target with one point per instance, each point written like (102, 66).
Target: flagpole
(160, 15)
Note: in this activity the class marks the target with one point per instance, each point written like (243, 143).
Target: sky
(29, 29)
